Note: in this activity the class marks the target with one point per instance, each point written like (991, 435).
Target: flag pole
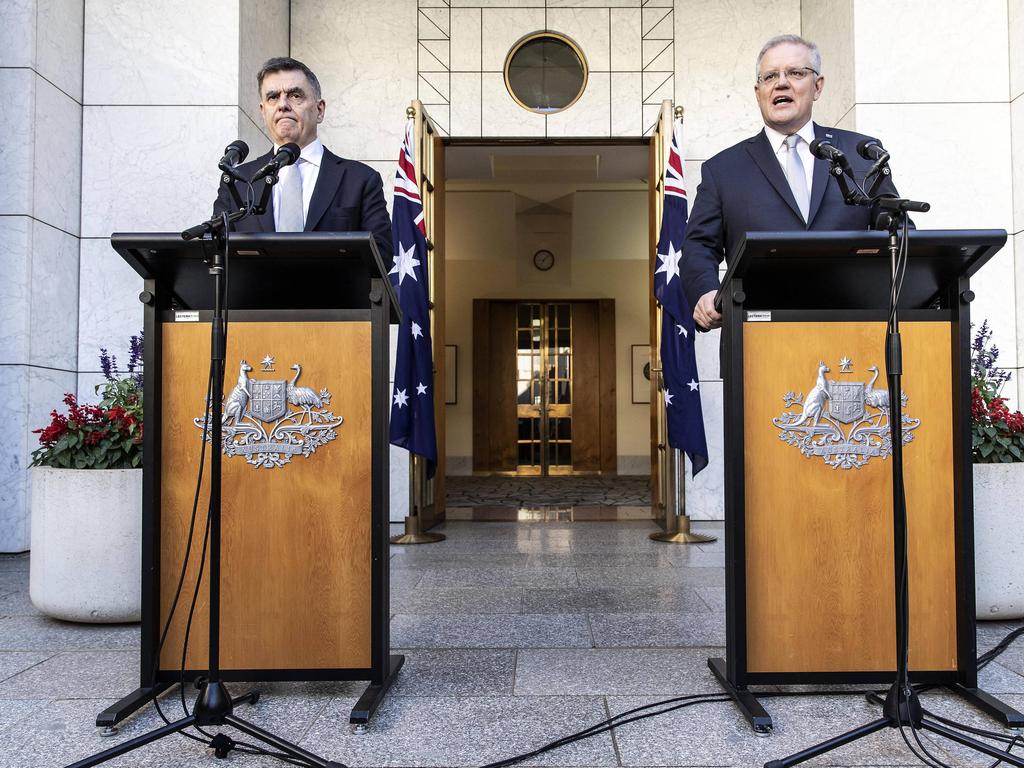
(677, 522)
(414, 533)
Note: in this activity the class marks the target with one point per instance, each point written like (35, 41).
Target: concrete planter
(86, 560)
(999, 540)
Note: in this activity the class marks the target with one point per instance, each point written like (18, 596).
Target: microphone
(234, 154)
(871, 149)
(286, 155)
(824, 150)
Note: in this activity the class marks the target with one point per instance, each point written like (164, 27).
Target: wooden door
(544, 387)
(661, 477)
(428, 494)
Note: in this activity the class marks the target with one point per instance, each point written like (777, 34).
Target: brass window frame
(560, 38)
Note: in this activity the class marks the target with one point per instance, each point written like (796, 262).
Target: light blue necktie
(291, 217)
(797, 176)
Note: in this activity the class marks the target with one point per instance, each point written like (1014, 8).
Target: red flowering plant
(103, 436)
(997, 433)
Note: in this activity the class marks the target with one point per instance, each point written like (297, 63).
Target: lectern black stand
(305, 475)
(809, 535)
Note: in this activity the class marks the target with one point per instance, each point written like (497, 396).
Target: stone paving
(515, 634)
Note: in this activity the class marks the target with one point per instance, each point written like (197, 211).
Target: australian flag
(678, 355)
(412, 401)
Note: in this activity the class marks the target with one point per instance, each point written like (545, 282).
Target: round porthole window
(545, 72)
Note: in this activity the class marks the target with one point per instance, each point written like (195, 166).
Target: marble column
(167, 87)
(947, 125)
(41, 76)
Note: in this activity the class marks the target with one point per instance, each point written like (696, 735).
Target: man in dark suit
(770, 182)
(320, 191)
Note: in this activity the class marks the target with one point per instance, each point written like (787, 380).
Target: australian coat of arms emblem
(270, 421)
(846, 423)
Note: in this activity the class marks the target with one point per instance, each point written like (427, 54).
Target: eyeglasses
(796, 74)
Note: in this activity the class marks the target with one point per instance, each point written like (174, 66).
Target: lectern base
(119, 710)
(374, 693)
(747, 703)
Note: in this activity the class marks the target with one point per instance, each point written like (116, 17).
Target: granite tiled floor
(515, 634)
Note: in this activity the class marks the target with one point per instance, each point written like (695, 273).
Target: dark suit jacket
(744, 189)
(348, 196)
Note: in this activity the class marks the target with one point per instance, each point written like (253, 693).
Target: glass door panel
(544, 388)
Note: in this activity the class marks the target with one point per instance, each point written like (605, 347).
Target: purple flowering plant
(997, 434)
(103, 436)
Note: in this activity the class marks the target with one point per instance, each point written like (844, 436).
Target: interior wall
(600, 250)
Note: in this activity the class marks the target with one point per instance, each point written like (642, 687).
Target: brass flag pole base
(682, 534)
(413, 534)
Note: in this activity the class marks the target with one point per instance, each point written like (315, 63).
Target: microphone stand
(214, 705)
(901, 707)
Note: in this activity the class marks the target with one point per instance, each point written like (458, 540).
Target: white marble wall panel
(488, 4)
(592, 3)
(15, 153)
(829, 24)
(656, 22)
(502, 116)
(502, 27)
(589, 28)
(17, 38)
(1015, 11)
(15, 288)
(928, 150)
(1018, 248)
(387, 169)
(253, 134)
(121, 191)
(263, 32)
(399, 484)
(994, 287)
(625, 36)
(591, 115)
(1017, 155)
(53, 323)
(58, 42)
(466, 34)
(708, 346)
(14, 460)
(466, 115)
(848, 122)
(705, 494)
(110, 312)
(366, 61)
(57, 166)
(161, 53)
(718, 90)
(894, 65)
(38, 390)
(626, 98)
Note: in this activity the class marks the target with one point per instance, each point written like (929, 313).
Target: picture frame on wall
(641, 370)
(451, 374)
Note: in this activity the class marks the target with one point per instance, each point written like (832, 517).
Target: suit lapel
(327, 183)
(820, 179)
(766, 160)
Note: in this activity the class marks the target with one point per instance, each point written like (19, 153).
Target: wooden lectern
(808, 475)
(305, 593)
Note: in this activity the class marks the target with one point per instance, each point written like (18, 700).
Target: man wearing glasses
(770, 182)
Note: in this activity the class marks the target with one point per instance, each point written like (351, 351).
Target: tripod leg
(975, 744)
(138, 741)
(828, 746)
(278, 743)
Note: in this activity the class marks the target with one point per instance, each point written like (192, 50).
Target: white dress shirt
(309, 168)
(778, 143)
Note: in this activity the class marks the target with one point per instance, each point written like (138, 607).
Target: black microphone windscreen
(239, 146)
(291, 153)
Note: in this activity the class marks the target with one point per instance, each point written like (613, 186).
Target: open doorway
(546, 306)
